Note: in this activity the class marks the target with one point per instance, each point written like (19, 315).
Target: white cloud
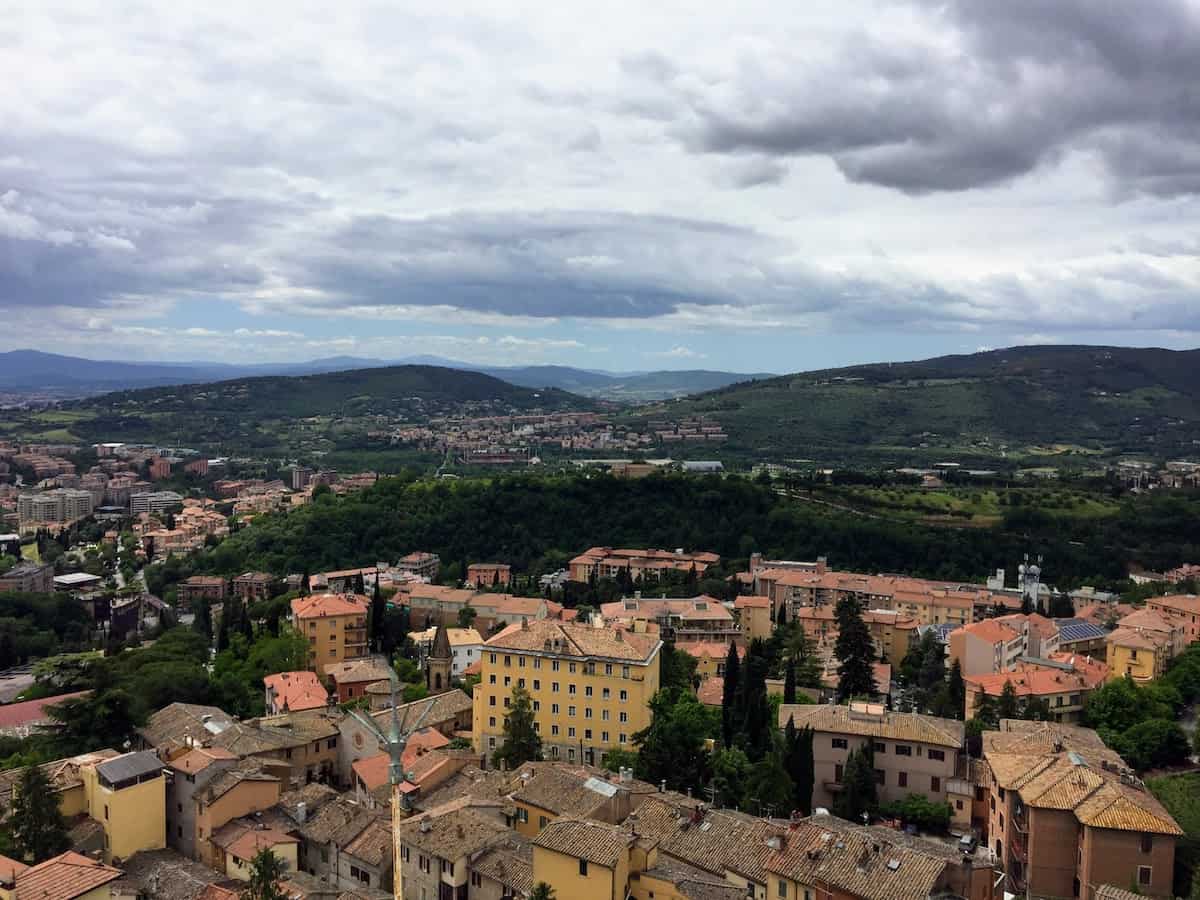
(677, 352)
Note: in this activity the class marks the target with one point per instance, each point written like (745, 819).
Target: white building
(153, 501)
(466, 644)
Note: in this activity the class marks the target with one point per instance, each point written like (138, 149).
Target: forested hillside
(537, 524)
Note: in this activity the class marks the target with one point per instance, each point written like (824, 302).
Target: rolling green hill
(269, 413)
(1022, 401)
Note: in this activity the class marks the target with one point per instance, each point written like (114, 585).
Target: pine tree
(223, 629)
(769, 789)
(359, 586)
(855, 651)
(304, 583)
(789, 682)
(933, 666)
(266, 877)
(1008, 708)
(729, 694)
(957, 690)
(808, 664)
(37, 827)
(522, 743)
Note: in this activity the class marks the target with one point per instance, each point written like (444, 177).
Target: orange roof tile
(296, 691)
(752, 602)
(329, 605)
(64, 878)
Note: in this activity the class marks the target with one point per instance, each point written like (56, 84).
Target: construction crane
(396, 741)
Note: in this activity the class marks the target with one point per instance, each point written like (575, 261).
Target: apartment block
(986, 647)
(423, 565)
(1142, 645)
(56, 507)
(335, 625)
(1064, 682)
(1181, 610)
(914, 754)
(590, 686)
(753, 616)
(484, 575)
(201, 588)
(700, 618)
(605, 562)
(253, 586)
(1065, 815)
(28, 577)
(153, 501)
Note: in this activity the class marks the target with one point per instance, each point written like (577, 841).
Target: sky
(751, 186)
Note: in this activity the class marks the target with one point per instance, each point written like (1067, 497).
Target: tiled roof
(246, 770)
(869, 863)
(10, 869)
(168, 875)
(1109, 892)
(509, 863)
(991, 630)
(743, 601)
(1139, 638)
(892, 725)
(1032, 679)
(370, 668)
(564, 790)
(596, 842)
(1146, 619)
(64, 877)
(297, 691)
(443, 707)
(711, 691)
(339, 821)
(717, 840)
(373, 770)
(542, 636)
(452, 831)
(1183, 603)
(373, 845)
(31, 712)
(175, 723)
(313, 796)
(247, 844)
(709, 649)
(702, 608)
(1066, 767)
(199, 759)
(318, 605)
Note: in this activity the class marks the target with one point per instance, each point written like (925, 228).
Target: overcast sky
(758, 186)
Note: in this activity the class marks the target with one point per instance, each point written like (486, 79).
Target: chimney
(662, 786)
(301, 812)
(425, 826)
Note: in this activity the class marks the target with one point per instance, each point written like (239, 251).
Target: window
(604, 737)
(587, 734)
(608, 669)
(880, 747)
(491, 721)
(476, 879)
(537, 684)
(979, 795)
(606, 694)
(423, 863)
(1145, 875)
(958, 804)
(507, 660)
(507, 702)
(837, 773)
(622, 738)
(554, 730)
(571, 668)
(507, 680)
(583, 867)
(935, 784)
(840, 744)
(1147, 843)
(624, 673)
(604, 715)
(624, 696)
(902, 779)
(537, 660)
(543, 821)
(903, 750)
(554, 665)
(521, 683)
(491, 679)
(623, 717)
(571, 711)
(554, 687)
(587, 691)
(939, 755)
(880, 778)
(587, 712)
(492, 743)
(571, 689)
(492, 700)
(493, 657)
(537, 705)
(521, 662)
(522, 814)
(571, 733)
(782, 888)
(554, 708)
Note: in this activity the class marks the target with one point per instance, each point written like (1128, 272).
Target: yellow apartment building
(127, 795)
(585, 860)
(754, 617)
(335, 626)
(590, 686)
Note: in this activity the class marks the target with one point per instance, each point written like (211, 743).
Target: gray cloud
(999, 90)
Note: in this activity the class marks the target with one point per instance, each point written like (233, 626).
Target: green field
(967, 505)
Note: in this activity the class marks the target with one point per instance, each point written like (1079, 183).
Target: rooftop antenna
(396, 740)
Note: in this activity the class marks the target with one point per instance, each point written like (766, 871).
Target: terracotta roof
(167, 875)
(1184, 603)
(991, 630)
(369, 668)
(1032, 679)
(216, 892)
(175, 723)
(339, 821)
(711, 691)
(1109, 892)
(731, 841)
(564, 790)
(64, 877)
(1139, 639)
(887, 724)
(702, 608)
(252, 840)
(1146, 619)
(31, 712)
(452, 831)
(199, 759)
(9, 870)
(297, 691)
(743, 601)
(373, 770)
(318, 605)
(246, 770)
(313, 796)
(869, 863)
(373, 845)
(441, 644)
(445, 707)
(710, 649)
(1064, 767)
(542, 636)
(596, 842)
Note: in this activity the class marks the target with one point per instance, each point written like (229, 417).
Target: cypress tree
(1008, 708)
(855, 651)
(375, 617)
(805, 776)
(957, 690)
(789, 682)
(729, 695)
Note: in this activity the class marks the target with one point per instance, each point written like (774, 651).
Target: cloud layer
(202, 174)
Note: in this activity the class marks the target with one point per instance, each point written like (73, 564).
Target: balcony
(1018, 849)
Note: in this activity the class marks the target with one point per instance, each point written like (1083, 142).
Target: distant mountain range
(1042, 400)
(32, 372)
